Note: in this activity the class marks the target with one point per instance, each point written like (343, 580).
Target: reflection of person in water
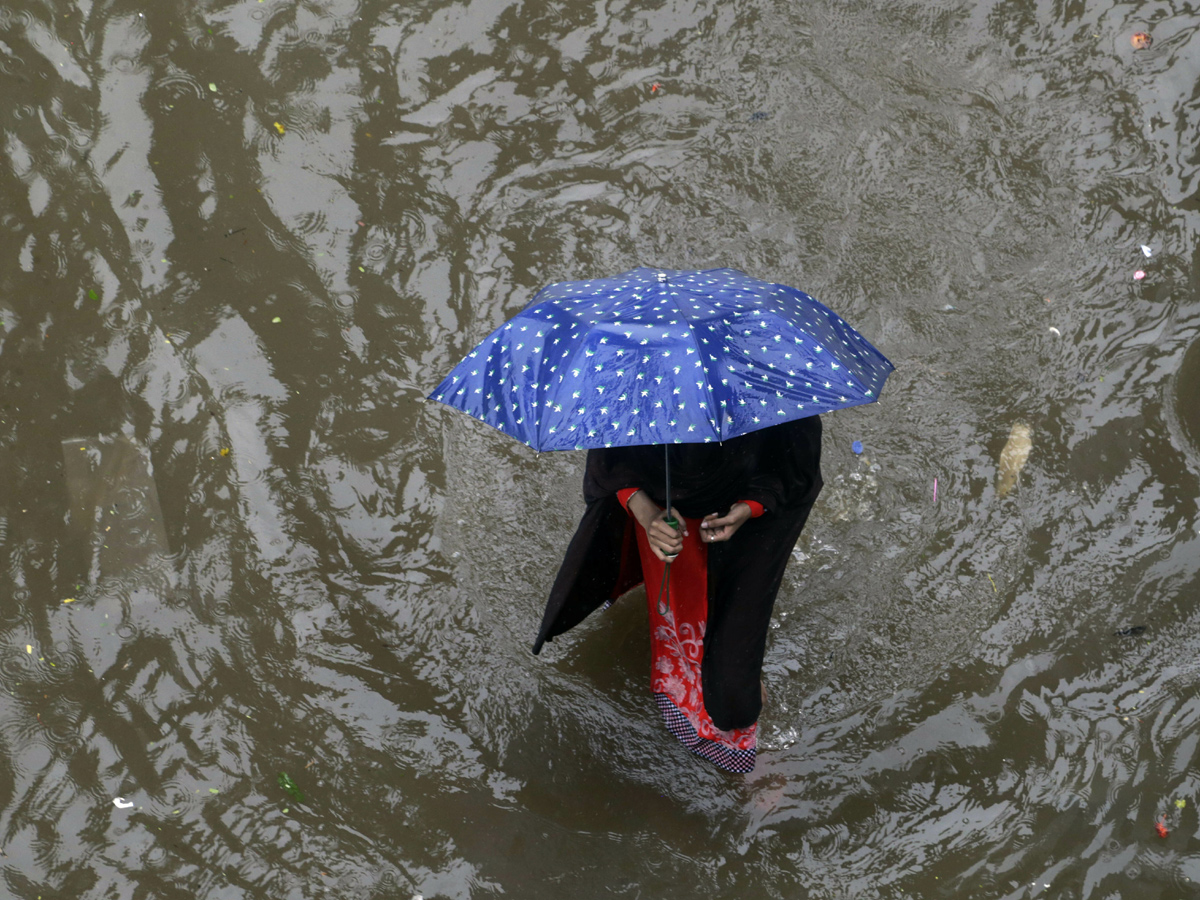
(741, 505)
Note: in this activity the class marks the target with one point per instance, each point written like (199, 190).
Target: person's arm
(623, 496)
(756, 508)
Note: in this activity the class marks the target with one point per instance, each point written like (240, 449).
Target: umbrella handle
(674, 523)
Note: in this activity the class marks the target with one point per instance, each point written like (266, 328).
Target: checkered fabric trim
(731, 759)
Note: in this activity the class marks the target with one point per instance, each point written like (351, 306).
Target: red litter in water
(1141, 41)
(1139, 275)
(1161, 827)
(656, 87)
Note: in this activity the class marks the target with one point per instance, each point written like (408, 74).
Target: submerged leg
(745, 574)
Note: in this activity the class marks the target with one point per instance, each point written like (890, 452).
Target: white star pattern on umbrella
(742, 335)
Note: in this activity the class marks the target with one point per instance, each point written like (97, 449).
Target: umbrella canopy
(656, 356)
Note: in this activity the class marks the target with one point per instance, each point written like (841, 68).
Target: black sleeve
(795, 456)
(788, 471)
(613, 469)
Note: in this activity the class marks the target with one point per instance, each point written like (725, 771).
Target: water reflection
(1186, 390)
(268, 228)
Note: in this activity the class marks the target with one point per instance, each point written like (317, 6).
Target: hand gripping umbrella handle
(674, 523)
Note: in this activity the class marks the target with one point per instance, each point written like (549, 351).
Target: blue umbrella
(657, 356)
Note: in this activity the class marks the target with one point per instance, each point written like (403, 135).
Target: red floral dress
(678, 614)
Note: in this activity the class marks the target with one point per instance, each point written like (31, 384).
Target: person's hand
(715, 528)
(665, 541)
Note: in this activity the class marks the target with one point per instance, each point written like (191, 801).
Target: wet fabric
(778, 467)
(677, 603)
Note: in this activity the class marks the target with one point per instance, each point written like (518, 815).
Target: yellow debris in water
(29, 648)
(279, 128)
(1013, 458)
(224, 451)
(69, 600)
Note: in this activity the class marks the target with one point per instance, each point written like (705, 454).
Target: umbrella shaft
(670, 518)
(667, 460)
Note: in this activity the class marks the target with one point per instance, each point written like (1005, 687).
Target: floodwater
(239, 241)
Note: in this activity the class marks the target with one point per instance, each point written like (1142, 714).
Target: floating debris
(292, 789)
(1141, 41)
(857, 447)
(224, 451)
(935, 489)
(1161, 827)
(1133, 631)
(1146, 251)
(1054, 330)
(279, 128)
(1139, 275)
(100, 473)
(1180, 803)
(656, 88)
(1013, 458)
(276, 320)
(122, 803)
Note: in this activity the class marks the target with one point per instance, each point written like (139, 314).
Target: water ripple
(354, 577)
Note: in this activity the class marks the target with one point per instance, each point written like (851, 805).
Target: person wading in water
(741, 505)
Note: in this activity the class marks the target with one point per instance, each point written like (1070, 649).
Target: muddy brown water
(240, 241)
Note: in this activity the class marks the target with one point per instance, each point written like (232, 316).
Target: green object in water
(293, 791)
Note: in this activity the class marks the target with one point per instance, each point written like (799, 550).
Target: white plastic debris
(1055, 331)
(1147, 252)
(122, 803)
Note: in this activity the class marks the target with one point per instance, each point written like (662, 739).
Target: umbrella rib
(712, 403)
(579, 350)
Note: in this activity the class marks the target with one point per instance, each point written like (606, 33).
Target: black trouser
(744, 575)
